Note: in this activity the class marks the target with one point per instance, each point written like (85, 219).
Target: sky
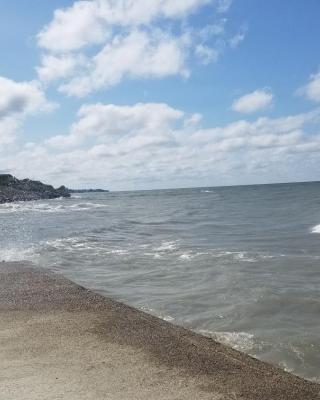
(146, 94)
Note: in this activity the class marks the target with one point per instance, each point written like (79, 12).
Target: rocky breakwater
(13, 189)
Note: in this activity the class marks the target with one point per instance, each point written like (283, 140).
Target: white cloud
(238, 38)
(93, 45)
(312, 89)
(145, 55)
(8, 128)
(89, 22)
(62, 66)
(112, 123)
(216, 29)
(224, 5)
(206, 54)
(21, 98)
(150, 144)
(17, 100)
(252, 102)
(73, 28)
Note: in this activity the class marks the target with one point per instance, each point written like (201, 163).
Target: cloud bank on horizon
(91, 49)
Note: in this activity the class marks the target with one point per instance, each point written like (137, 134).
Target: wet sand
(61, 341)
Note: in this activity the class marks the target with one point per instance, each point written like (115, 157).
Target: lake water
(240, 264)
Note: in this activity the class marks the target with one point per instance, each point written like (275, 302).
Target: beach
(62, 341)
(235, 264)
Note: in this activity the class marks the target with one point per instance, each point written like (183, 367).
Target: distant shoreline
(88, 191)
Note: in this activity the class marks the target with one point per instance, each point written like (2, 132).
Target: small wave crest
(151, 311)
(17, 254)
(81, 244)
(242, 341)
(315, 229)
(186, 256)
(50, 207)
(167, 246)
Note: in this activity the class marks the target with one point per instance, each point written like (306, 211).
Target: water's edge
(238, 264)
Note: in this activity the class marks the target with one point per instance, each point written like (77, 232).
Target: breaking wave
(315, 229)
(48, 207)
(241, 341)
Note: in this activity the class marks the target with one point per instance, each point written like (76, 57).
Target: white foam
(83, 245)
(243, 341)
(167, 246)
(286, 367)
(118, 251)
(167, 318)
(242, 256)
(315, 229)
(17, 254)
(48, 207)
(151, 311)
(186, 256)
(87, 206)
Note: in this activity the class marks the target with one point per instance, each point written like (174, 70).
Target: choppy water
(241, 264)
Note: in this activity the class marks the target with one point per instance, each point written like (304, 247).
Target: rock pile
(13, 189)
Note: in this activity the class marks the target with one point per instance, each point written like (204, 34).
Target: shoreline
(60, 340)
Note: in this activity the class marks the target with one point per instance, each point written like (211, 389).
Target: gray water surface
(240, 264)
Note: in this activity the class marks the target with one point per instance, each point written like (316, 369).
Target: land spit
(59, 340)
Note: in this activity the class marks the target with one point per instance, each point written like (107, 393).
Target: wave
(242, 341)
(87, 206)
(315, 229)
(16, 254)
(81, 244)
(242, 256)
(167, 246)
(172, 249)
(186, 256)
(151, 311)
(50, 207)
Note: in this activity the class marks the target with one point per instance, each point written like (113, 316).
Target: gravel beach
(62, 341)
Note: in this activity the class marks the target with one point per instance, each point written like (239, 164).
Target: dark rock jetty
(13, 189)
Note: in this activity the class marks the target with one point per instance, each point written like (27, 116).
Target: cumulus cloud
(312, 89)
(8, 128)
(136, 55)
(111, 123)
(253, 102)
(95, 44)
(153, 144)
(73, 28)
(59, 66)
(21, 98)
(90, 22)
(17, 100)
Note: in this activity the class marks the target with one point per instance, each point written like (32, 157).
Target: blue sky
(141, 95)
